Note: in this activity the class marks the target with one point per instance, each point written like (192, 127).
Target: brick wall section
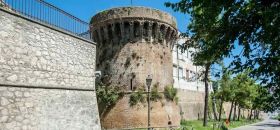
(125, 116)
(191, 104)
(46, 77)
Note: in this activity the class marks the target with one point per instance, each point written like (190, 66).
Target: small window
(175, 73)
(180, 72)
(187, 74)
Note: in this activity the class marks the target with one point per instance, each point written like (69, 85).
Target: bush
(107, 96)
(223, 127)
(136, 97)
(170, 93)
(155, 94)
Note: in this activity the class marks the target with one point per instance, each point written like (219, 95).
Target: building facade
(186, 75)
(188, 79)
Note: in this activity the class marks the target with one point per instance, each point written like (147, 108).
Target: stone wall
(122, 115)
(134, 42)
(46, 77)
(191, 104)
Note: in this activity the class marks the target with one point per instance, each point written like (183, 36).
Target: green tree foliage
(224, 91)
(216, 25)
(243, 93)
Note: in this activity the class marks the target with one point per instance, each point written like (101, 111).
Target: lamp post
(148, 83)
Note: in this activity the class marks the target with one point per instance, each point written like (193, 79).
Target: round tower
(132, 43)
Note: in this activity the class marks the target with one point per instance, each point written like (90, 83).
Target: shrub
(223, 127)
(107, 96)
(170, 93)
(155, 94)
(136, 97)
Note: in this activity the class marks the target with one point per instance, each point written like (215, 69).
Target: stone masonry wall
(46, 77)
(191, 104)
(132, 43)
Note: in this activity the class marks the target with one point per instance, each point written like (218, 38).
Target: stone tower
(132, 43)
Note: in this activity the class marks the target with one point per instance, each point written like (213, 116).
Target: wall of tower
(47, 77)
(133, 44)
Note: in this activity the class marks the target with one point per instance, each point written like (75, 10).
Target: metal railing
(47, 13)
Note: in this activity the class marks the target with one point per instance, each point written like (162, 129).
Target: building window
(175, 72)
(187, 74)
(180, 73)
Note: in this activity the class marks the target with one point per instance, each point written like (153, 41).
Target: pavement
(267, 124)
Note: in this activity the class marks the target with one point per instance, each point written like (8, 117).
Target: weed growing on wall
(137, 97)
(155, 94)
(107, 97)
(127, 62)
(170, 93)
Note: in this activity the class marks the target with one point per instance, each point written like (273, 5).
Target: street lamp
(148, 83)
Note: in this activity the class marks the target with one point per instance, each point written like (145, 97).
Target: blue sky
(85, 9)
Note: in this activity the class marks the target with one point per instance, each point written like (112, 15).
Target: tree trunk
(209, 115)
(207, 67)
(251, 114)
(221, 108)
(238, 118)
(234, 112)
(230, 112)
(214, 108)
(243, 113)
(258, 115)
(255, 114)
(248, 115)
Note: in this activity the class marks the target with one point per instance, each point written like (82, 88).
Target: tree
(215, 86)
(223, 93)
(254, 25)
(242, 92)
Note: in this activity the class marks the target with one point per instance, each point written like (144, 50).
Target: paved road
(267, 124)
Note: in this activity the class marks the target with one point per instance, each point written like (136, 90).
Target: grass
(197, 124)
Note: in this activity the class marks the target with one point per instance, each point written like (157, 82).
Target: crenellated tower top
(134, 24)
